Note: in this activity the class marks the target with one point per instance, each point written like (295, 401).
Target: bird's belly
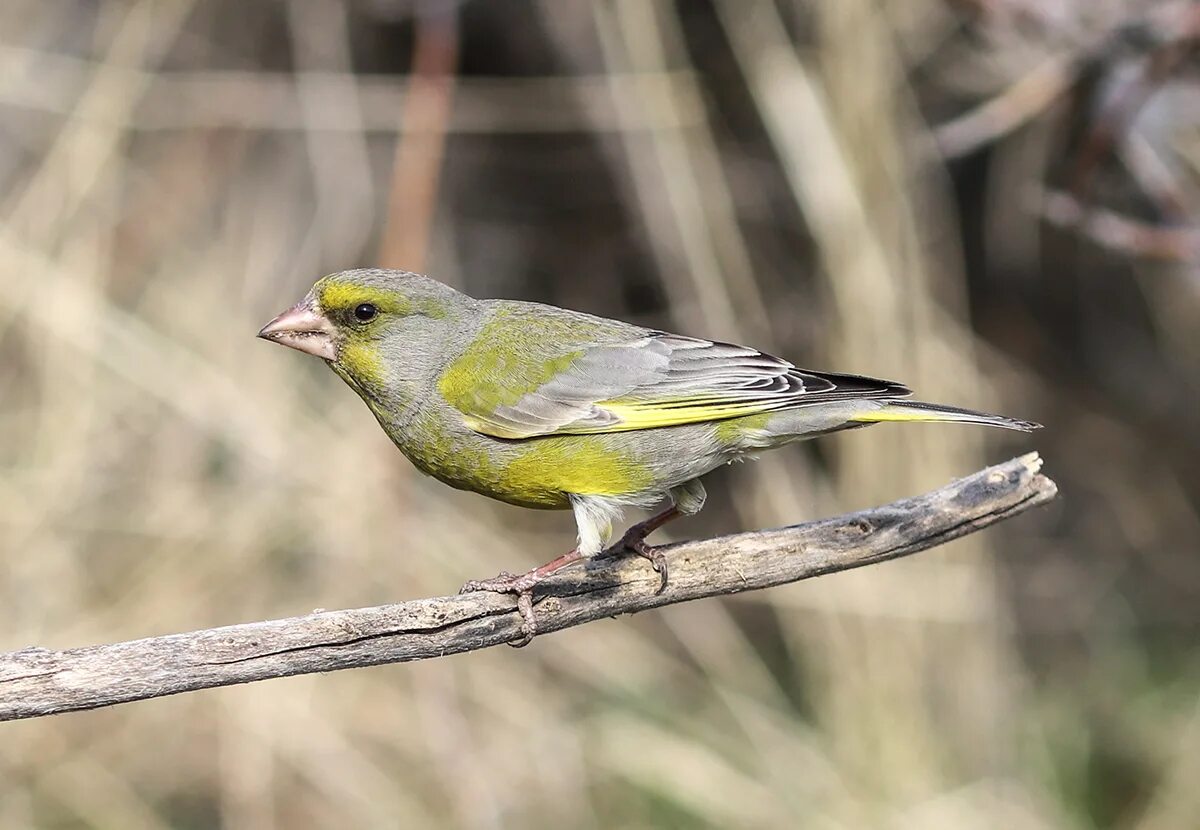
(480, 466)
(536, 472)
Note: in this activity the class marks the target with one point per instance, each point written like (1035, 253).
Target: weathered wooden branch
(36, 681)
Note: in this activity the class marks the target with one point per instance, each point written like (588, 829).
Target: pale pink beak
(303, 329)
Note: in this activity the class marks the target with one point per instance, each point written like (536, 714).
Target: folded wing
(648, 381)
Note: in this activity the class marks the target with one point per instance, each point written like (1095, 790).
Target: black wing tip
(1015, 424)
(855, 386)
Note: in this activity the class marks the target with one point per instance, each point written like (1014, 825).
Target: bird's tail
(920, 411)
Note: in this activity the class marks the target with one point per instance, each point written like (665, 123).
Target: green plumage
(547, 408)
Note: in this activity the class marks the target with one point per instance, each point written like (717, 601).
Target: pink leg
(634, 541)
(522, 585)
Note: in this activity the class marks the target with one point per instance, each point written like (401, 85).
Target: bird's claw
(639, 547)
(522, 587)
(528, 621)
(498, 584)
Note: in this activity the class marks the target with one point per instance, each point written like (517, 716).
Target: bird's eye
(365, 313)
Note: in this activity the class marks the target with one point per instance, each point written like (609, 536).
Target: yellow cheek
(363, 362)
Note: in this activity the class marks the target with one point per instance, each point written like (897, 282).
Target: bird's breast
(534, 472)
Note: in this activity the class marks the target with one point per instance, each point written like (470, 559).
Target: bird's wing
(652, 379)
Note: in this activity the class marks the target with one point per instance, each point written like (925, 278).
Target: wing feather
(662, 379)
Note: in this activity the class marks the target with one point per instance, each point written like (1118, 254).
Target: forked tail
(920, 411)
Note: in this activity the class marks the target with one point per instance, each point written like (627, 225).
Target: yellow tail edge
(918, 411)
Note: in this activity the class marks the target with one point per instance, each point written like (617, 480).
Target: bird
(548, 408)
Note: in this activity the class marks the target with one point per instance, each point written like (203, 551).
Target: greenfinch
(553, 409)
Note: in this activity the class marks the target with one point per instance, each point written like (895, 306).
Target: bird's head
(376, 328)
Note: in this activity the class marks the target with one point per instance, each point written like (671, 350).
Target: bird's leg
(522, 585)
(634, 541)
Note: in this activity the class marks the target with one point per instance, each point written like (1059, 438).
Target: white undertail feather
(689, 497)
(594, 516)
(917, 411)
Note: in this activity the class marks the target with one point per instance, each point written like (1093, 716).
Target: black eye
(365, 313)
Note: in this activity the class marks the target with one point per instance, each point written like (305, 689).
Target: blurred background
(994, 201)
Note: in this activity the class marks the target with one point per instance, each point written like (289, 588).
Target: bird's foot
(522, 586)
(634, 541)
(501, 583)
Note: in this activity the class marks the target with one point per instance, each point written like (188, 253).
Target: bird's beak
(303, 329)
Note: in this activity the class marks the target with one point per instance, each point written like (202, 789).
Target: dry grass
(174, 173)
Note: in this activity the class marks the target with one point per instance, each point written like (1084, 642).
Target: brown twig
(36, 682)
(413, 198)
(1017, 105)
(1122, 233)
(1109, 127)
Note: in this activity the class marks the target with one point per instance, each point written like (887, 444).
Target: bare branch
(1020, 103)
(271, 101)
(36, 682)
(1122, 233)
